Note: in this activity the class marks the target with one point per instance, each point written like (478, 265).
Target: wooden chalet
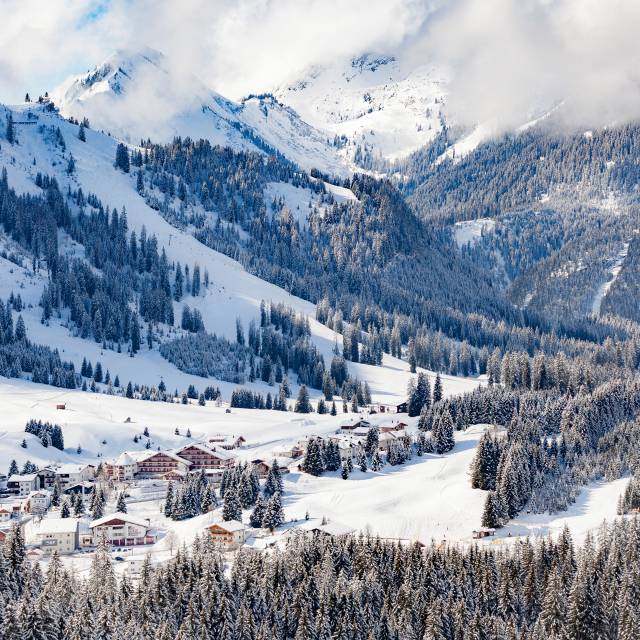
(201, 457)
(159, 463)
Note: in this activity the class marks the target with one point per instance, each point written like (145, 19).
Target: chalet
(22, 485)
(71, 474)
(228, 535)
(3, 535)
(46, 478)
(225, 441)
(123, 468)
(396, 425)
(401, 408)
(57, 534)
(386, 439)
(39, 502)
(201, 457)
(175, 475)
(61, 406)
(83, 488)
(120, 530)
(263, 466)
(361, 432)
(351, 425)
(157, 464)
(331, 529)
(5, 514)
(478, 534)
(288, 451)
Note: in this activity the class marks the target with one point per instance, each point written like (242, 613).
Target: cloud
(512, 60)
(507, 60)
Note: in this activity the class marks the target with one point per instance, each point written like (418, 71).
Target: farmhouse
(228, 535)
(57, 534)
(201, 457)
(121, 530)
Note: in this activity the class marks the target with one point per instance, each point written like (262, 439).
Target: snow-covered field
(471, 231)
(603, 289)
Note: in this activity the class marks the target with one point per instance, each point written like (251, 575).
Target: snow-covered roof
(57, 525)
(118, 516)
(27, 477)
(170, 454)
(218, 453)
(124, 460)
(333, 529)
(70, 468)
(230, 525)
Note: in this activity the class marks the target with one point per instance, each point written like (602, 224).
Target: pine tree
(122, 158)
(273, 513)
(10, 130)
(437, 389)
(65, 511)
(81, 134)
(313, 458)
(257, 515)
(231, 509)
(302, 403)
(121, 505)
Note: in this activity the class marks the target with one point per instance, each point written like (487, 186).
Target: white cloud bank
(509, 59)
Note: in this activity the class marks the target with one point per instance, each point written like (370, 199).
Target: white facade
(71, 474)
(39, 501)
(123, 468)
(23, 485)
(5, 514)
(57, 534)
(228, 535)
(120, 529)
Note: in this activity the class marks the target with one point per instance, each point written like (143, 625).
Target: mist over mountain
(319, 320)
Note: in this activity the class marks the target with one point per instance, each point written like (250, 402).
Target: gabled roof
(229, 525)
(70, 467)
(222, 454)
(124, 460)
(26, 477)
(169, 454)
(118, 516)
(57, 525)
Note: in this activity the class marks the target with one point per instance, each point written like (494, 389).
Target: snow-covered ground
(135, 94)
(603, 289)
(232, 293)
(372, 100)
(428, 498)
(470, 231)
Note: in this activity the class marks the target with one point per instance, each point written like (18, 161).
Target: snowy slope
(372, 100)
(232, 293)
(137, 94)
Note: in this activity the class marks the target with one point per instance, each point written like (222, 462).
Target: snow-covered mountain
(138, 94)
(375, 105)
